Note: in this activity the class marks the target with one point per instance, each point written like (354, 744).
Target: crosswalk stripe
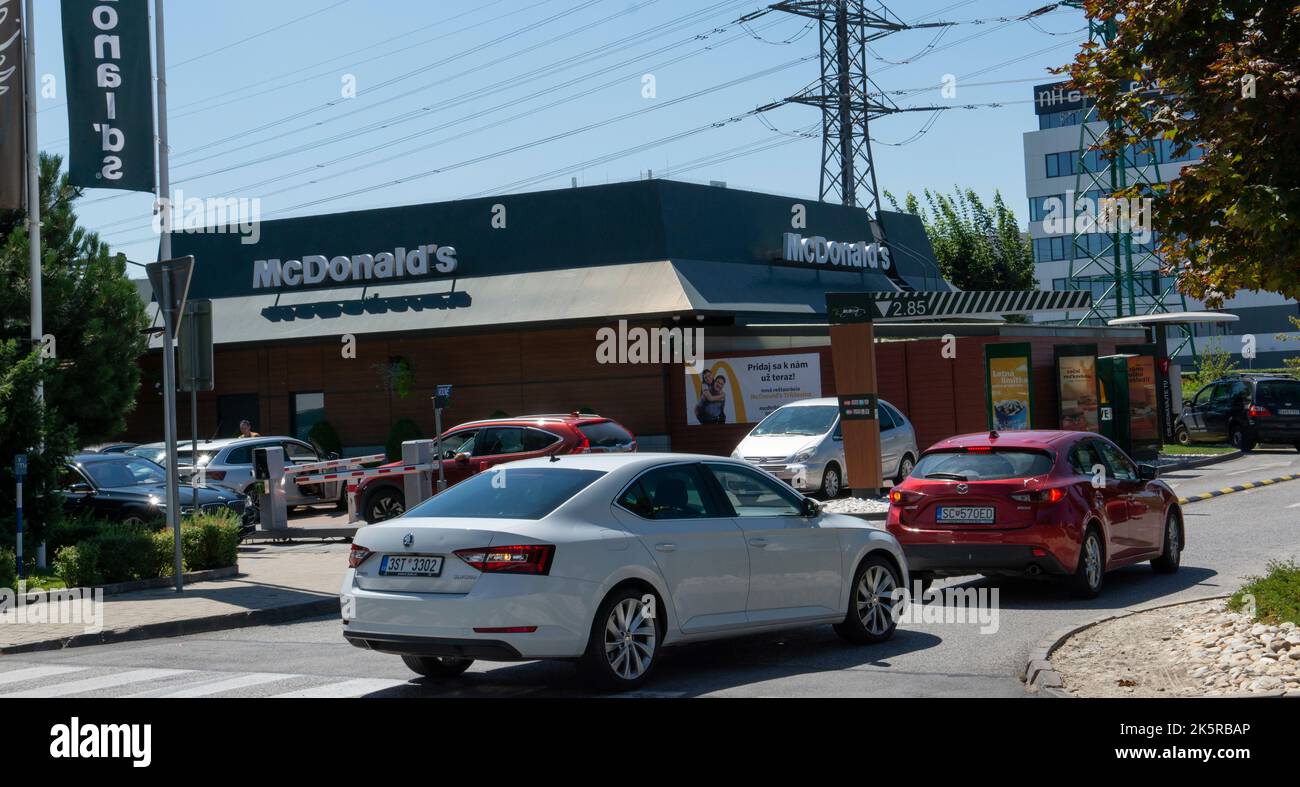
(35, 673)
(100, 683)
(347, 688)
(229, 684)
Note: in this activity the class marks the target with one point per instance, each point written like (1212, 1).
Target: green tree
(978, 247)
(1292, 363)
(1229, 80)
(91, 308)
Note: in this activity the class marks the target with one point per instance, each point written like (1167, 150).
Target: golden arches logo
(737, 398)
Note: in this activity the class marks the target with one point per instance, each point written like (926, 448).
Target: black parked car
(1243, 410)
(127, 488)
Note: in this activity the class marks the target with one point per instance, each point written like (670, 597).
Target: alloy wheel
(875, 599)
(1092, 561)
(630, 639)
(1171, 536)
(905, 468)
(387, 507)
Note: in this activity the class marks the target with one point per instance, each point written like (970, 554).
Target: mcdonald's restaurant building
(549, 302)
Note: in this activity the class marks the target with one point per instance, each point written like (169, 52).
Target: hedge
(122, 553)
(405, 429)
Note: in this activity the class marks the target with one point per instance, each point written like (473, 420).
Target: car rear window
(982, 466)
(1278, 393)
(606, 434)
(508, 493)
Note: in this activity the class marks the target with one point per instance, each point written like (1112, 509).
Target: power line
(233, 44)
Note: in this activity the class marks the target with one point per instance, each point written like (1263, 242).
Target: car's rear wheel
(905, 467)
(623, 648)
(870, 617)
(1090, 573)
(1238, 439)
(385, 503)
(1172, 554)
(437, 666)
(832, 483)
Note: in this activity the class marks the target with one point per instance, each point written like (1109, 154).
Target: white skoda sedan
(608, 559)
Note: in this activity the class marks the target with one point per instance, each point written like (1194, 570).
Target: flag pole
(164, 177)
(33, 201)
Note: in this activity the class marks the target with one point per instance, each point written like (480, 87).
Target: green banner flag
(13, 158)
(109, 80)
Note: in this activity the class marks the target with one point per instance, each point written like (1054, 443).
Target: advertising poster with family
(745, 390)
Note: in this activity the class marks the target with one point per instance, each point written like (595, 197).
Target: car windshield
(508, 493)
(982, 466)
(186, 458)
(801, 420)
(126, 471)
(150, 452)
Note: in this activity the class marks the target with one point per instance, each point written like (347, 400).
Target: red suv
(1070, 504)
(475, 446)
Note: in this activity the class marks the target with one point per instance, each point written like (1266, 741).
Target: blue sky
(459, 98)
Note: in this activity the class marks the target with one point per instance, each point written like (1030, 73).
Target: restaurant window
(305, 411)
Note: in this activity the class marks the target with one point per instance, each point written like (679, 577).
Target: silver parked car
(228, 463)
(801, 444)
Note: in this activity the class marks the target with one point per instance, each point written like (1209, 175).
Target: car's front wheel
(832, 484)
(1181, 435)
(1171, 556)
(870, 617)
(437, 666)
(623, 648)
(385, 503)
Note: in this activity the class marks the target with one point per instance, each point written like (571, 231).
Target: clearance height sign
(746, 390)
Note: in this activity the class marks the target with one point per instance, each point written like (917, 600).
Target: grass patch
(1196, 449)
(1276, 594)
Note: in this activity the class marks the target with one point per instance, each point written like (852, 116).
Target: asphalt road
(1229, 538)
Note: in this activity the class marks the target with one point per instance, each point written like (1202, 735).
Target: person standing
(246, 429)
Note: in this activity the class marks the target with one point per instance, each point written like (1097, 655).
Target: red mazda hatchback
(1069, 504)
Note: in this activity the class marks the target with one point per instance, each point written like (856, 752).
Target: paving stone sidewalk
(276, 582)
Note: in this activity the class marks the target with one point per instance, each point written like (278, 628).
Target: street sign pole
(171, 282)
(169, 429)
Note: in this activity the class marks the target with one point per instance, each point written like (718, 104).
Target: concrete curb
(1237, 488)
(1039, 674)
(1205, 461)
(178, 628)
(166, 582)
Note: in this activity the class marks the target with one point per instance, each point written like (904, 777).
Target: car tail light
(902, 497)
(517, 559)
(1256, 411)
(215, 475)
(358, 555)
(979, 449)
(584, 445)
(1048, 496)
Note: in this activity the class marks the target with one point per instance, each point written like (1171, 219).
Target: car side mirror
(811, 508)
(80, 489)
(331, 456)
(1187, 403)
(1147, 472)
(462, 458)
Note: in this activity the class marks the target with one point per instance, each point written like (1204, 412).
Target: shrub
(210, 541)
(73, 530)
(1277, 594)
(125, 553)
(326, 438)
(405, 429)
(8, 567)
(77, 565)
(164, 552)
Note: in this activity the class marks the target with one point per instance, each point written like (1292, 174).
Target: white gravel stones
(1197, 649)
(855, 505)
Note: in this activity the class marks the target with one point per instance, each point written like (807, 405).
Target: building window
(305, 411)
